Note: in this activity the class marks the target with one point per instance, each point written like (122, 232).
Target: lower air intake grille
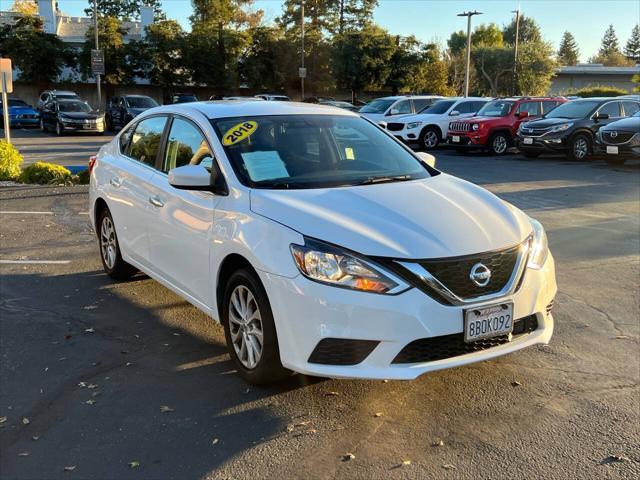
(341, 351)
(449, 346)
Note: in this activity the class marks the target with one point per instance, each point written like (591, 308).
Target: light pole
(466, 76)
(515, 52)
(95, 28)
(303, 72)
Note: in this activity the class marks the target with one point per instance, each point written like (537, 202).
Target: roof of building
(74, 29)
(597, 69)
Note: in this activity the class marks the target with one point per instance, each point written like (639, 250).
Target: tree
(535, 68)
(495, 66)
(270, 61)
(487, 35)
(110, 37)
(609, 53)
(352, 14)
(632, 48)
(404, 63)
(125, 9)
(528, 31)
(568, 52)
(457, 42)
(25, 7)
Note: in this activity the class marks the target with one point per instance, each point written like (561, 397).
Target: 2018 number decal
(239, 132)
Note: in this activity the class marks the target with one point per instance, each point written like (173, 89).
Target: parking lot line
(43, 262)
(17, 212)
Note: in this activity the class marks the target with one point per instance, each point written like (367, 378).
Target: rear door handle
(115, 182)
(156, 202)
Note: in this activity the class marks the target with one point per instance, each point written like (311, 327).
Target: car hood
(631, 124)
(22, 111)
(476, 119)
(80, 115)
(550, 122)
(441, 216)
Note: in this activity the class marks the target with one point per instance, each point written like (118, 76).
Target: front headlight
(561, 128)
(413, 125)
(331, 265)
(539, 246)
(475, 126)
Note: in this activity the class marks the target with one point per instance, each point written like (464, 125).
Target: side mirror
(196, 177)
(601, 116)
(455, 113)
(523, 114)
(427, 159)
(394, 111)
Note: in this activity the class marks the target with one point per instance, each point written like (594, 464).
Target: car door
(130, 188)
(534, 110)
(180, 230)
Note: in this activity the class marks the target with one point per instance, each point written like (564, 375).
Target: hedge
(10, 161)
(598, 91)
(46, 173)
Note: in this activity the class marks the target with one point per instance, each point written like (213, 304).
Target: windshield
(140, 102)
(575, 109)
(497, 108)
(314, 151)
(439, 107)
(74, 107)
(377, 106)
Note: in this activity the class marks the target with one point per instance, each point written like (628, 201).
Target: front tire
(250, 330)
(429, 138)
(499, 143)
(579, 148)
(110, 253)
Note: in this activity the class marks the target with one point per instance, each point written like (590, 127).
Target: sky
(431, 20)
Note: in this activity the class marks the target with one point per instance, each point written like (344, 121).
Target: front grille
(341, 351)
(449, 346)
(395, 127)
(454, 273)
(620, 137)
(27, 115)
(459, 127)
(533, 132)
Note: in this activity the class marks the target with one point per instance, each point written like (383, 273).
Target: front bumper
(623, 151)
(24, 122)
(548, 143)
(83, 127)
(307, 312)
(467, 140)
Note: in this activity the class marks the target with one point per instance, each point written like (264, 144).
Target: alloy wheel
(245, 327)
(499, 144)
(430, 139)
(108, 242)
(580, 148)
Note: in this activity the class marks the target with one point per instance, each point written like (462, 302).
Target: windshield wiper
(384, 179)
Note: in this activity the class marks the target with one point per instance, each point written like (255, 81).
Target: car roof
(63, 92)
(135, 96)
(240, 108)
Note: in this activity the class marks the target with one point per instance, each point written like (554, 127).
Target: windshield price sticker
(239, 132)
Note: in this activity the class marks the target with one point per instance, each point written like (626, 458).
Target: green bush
(83, 177)
(10, 161)
(45, 173)
(598, 91)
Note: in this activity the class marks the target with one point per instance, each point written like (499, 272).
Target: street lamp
(466, 77)
(303, 71)
(515, 52)
(95, 29)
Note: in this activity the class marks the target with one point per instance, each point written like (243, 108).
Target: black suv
(121, 110)
(620, 140)
(571, 128)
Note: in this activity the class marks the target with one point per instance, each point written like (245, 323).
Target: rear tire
(110, 253)
(429, 138)
(499, 143)
(579, 148)
(250, 330)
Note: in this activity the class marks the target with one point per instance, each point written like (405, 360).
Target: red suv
(495, 125)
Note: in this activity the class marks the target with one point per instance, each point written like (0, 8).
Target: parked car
(243, 99)
(51, 95)
(620, 140)
(290, 224)
(339, 104)
(273, 97)
(121, 110)
(21, 114)
(429, 127)
(571, 128)
(65, 116)
(183, 98)
(380, 109)
(495, 126)
(315, 99)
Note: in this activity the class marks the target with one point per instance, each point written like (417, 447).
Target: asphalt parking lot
(108, 380)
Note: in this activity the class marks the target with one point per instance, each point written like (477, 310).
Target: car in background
(273, 97)
(183, 98)
(66, 116)
(339, 104)
(495, 126)
(243, 99)
(51, 95)
(571, 128)
(121, 110)
(620, 140)
(380, 109)
(21, 114)
(314, 99)
(428, 128)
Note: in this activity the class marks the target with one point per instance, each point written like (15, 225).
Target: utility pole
(515, 52)
(466, 76)
(95, 28)
(303, 72)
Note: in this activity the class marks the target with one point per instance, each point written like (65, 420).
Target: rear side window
(186, 146)
(612, 109)
(630, 107)
(421, 103)
(548, 106)
(532, 107)
(465, 107)
(145, 140)
(402, 107)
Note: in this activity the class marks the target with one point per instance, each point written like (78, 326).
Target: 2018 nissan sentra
(322, 244)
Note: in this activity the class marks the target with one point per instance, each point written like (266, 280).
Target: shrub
(599, 91)
(83, 177)
(45, 173)
(10, 161)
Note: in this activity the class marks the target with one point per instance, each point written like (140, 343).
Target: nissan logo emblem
(480, 275)
(613, 134)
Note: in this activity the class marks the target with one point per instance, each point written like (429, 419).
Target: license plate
(528, 141)
(455, 139)
(612, 150)
(487, 322)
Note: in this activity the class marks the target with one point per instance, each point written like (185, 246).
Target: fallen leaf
(515, 383)
(90, 402)
(378, 414)
(23, 454)
(35, 438)
(621, 337)
(246, 391)
(90, 307)
(128, 364)
(89, 330)
(92, 386)
(385, 381)
(406, 462)
(215, 441)
(134, 464)
(348, 456)
(303, 424)
(176, 334)
(3, 419)
(82, 384)
(439, 443)
(448, 466)
(331, 394)
(312, 431)
(69, 468)
(25, 421)
(165, 408)
(617, 458)
(95, 394)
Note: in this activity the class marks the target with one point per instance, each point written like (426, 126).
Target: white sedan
(322, 244)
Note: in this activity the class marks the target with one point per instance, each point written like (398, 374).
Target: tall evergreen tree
(528, 31)
(632, 48)
(568, 53)
(609, 44)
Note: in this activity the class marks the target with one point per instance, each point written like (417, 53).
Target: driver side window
(186, 146)
(402, 107)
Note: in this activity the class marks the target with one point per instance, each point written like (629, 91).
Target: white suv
(323, 245)
(381, 109)
(429, 127)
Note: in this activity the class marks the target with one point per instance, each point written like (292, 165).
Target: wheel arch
(98, 207)
(432, 126)
(231, 263)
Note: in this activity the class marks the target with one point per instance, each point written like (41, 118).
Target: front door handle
(115, 182)
(156, 202)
